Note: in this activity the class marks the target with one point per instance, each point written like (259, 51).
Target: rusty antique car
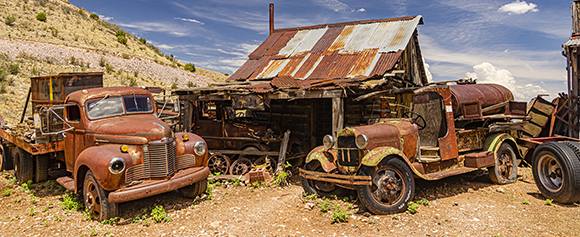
(110, 140)
(434, 132)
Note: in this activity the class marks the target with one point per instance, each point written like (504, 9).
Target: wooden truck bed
(34, 149)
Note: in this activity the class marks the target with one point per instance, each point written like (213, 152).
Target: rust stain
(327, 39)
(263, 48)
(363, 61)
(291, 66)
(341, 40)
(280, 43)
(307, 65)
(386, 62)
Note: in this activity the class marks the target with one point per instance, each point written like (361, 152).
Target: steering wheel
(417, 119)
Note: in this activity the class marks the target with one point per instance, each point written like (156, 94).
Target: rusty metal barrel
(482, 94)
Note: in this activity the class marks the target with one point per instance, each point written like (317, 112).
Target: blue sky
(515, 43)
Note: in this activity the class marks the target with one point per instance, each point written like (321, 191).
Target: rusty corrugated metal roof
(329, 53)
(285, 82)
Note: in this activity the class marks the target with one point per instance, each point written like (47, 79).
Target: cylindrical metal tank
(485, 94)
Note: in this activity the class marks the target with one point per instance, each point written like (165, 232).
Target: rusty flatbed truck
(110, 140)
(436, 132)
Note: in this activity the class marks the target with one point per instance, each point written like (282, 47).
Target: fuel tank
(484, 94)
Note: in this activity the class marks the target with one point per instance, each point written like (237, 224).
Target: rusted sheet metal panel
(293, 43)
(309, 68)
(263, 48)
(482, 94)
(305, 66)
(260, 88)
(292, 66)
(327, 39)
(343, 66)
(285, 82)
(324, 66)
(280, 43)
(274, 67)
(261, 64)
(405, 18)
(386, 62)
(309, 41)
(360, 38)
(402, 35)
(342, 39)
(363, 62)
(381, 35)
(246, 70)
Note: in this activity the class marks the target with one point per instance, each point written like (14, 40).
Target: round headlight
(200, 148)
(328, 141)
(116, 166)
(362, 141)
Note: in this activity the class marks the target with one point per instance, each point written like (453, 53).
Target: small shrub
(13, 69)
(73, 60)
(87, 214)
(423, 202)
(255, 184)
(122, 39)
(189, 67)
(325, 206)
(339, 216)
(396, 217)
(412, 207)
(549, 201)
(9, 20)
(525, 202)
(69, 202)
(109, 68)
(281, 179)
(174, 86)
(41, 16)
(159, 214)
(143, 41)
(190, 84)
(120, 33)
(6, 192)
(132, 81)
(125, 56)
(94, 16)
(102, 62)
(110, 221)
(32, 212)
(311, 196)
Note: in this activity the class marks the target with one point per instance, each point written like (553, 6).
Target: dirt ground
(466, 205)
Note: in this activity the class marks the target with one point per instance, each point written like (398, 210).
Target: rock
(215, 224)
(309, 206)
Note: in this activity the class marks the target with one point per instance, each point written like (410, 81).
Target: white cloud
(164, 46)
(427, 72)
(189, 20)
(106, 18)
(487, 73)
(361, 10)
(518, 7)
(335, 5)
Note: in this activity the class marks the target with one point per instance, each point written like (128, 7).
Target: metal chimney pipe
(575, 17)
(272, 18)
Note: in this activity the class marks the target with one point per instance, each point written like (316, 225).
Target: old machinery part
(320, 188)
(200, 148)
(265, 161)
(505, 170)
(362, 141)
(328, 141)
(417, 119)
(241, 166)
(116, 165)
(218, 163)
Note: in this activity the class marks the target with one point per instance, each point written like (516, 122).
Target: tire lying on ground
(556, 170)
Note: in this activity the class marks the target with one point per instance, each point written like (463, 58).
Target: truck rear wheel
(393, 186)
(194, 190)
(556, 170)
(505, 170)
(23, 166)
(7, 161)
(96, 199)
(41, 168)
(320, 188)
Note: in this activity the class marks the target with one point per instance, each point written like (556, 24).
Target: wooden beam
(283, 149)
(337, 115)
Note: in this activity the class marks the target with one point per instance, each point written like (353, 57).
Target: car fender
(187, 147)
(97, 159)
(320, 154)
(375, 156)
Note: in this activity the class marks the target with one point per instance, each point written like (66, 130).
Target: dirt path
(467, 205)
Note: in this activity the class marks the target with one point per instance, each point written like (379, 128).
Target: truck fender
(188, 145)
(318, 153)
(494, 141)
(97, 159)
(377, 155)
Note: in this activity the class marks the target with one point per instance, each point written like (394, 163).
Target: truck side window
(73, 113)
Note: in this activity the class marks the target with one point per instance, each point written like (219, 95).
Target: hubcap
(92, 199)
(505, 164)
(388, 186)
(550, 173)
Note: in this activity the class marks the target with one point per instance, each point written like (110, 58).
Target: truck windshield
(110, 106)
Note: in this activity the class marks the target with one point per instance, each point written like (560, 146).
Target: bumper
(336, 178)
(150, 188)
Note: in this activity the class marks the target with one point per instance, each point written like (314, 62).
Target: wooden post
(283, 149)
(26, 104)
(337, 115)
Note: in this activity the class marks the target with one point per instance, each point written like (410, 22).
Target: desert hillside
(47, 37)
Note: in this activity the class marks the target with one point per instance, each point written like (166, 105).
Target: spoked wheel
(218, 162)
(266, 159)
(320, 188)
(241, 166)
(96, 199)
(505, 170)
(393, 186)
(556, 171)
(23, 166)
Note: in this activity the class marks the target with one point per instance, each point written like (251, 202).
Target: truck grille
(348, 153)
(159, 161)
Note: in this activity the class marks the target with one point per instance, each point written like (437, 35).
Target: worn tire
(8, 162)
(320, 188)
(23, 166)
(96, 199)
(575, 146)
(40, 168)
(556, 170)
(194, 190)
(393, 200)
(505, 170)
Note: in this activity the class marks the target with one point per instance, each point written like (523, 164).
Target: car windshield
(110, 106)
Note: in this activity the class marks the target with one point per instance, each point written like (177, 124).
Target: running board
(67, 182)
(336, 178)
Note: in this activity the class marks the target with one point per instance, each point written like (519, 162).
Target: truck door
(74, 139)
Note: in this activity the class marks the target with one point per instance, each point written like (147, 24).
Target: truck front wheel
(96, 199)
(505, 170)
(194, 190)
(393, 186)
(23, 166)
(556, 171)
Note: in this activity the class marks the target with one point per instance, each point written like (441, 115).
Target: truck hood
(387, 133)
(143, 125)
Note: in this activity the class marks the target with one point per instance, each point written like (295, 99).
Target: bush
(122, 39)
(125, 56)
(41, 16)
(159, 214)
(174, 86)
(102, 62)
(339, 216)
(94, 16)
(189, 67)
(13, 69)
(120, 33)
(190, 84)
(9, 20)
(143, 41)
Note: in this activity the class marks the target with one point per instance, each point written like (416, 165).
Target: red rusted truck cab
(118, 150)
